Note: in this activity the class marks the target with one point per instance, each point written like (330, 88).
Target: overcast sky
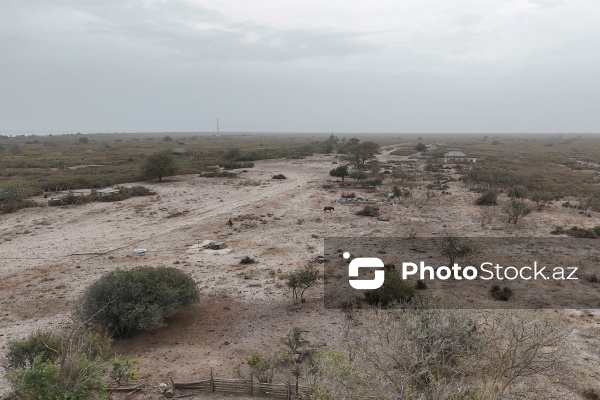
(299, 66)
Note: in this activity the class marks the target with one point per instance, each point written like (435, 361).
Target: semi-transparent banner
(462, 272)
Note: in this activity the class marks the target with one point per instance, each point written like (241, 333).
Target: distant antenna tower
(218, 133)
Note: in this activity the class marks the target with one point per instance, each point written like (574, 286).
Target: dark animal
(328, 208)
(230, 223)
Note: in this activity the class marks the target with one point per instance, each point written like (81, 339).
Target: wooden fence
(242, 387)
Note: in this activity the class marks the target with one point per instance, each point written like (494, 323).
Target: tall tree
(340, 172)
(361, 153)
(160, 165)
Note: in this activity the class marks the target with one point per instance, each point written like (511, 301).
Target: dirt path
(48, 256)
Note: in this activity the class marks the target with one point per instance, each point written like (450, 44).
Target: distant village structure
(457, 156)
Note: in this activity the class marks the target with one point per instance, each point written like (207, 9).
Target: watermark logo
(365, 262)
(553, 272)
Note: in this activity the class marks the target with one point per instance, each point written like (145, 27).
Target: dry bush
(416, 353)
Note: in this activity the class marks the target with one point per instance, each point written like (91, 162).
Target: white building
(456, 156)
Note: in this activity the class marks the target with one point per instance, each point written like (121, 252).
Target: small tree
(540, 199)
(517, 192)
(401, 194)
(587, 204)
(302, 279)
(420, 147)
(429, 194)
(453, 247)
(399, 173)
(515, 209)
(294, 341)
(262, 367)
(485, 215)
(360, 153)
(160, 165)
(123, 370)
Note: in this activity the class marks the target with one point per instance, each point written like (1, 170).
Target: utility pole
(218, 133)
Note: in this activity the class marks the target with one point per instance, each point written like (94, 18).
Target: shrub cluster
(578, 232)
(279, 176)
(492, 177)
(14, 194)
(488, 198)
(124, 194)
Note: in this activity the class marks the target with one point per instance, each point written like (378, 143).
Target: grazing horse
(328, 208)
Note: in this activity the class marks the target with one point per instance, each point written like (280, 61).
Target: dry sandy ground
(48, 256)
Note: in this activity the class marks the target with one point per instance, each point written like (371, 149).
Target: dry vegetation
(50, 255)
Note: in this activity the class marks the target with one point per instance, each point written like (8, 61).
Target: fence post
(289, 388)
(251, 384)
(212, 380)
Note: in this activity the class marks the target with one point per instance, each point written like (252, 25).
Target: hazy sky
(303, 65)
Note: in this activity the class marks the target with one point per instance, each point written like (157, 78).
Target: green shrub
(393, 290)
(14, 194)
(503, 294)
(517, 192)
(369, 211)
(489, 198)
(279, 176)
(263, 367)
(43, 345)
(137, 190)
(40, 381)
(160, 165)
(372, 182)
(128, 302)
(431, 167)
(421, 284)
(420, 147)
(247, 260)
(76, 370)
(578, 232)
